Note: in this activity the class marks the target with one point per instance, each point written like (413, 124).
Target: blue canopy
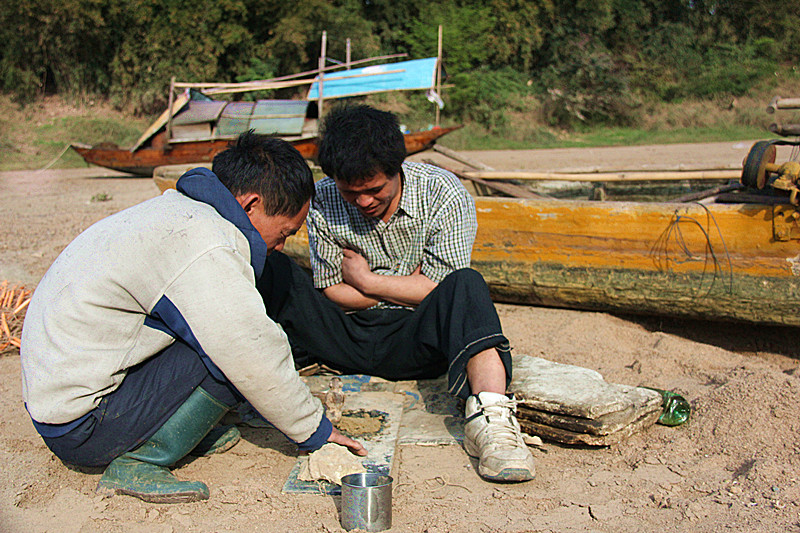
(415, 74)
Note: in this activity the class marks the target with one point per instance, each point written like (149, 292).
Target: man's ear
(249, 201)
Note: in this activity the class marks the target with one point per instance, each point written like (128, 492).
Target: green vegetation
(520, 73)
(602, 136)
(101, 197)
(34, 135)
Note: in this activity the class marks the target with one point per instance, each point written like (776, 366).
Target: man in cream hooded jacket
(141, 334)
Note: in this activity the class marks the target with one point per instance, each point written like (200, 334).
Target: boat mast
(321, 73)
(438, 75)
(169, 108)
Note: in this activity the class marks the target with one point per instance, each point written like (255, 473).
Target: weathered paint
(159, 153)
(712, 262)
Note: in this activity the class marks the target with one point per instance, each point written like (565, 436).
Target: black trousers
(149, 395)
(456, 321)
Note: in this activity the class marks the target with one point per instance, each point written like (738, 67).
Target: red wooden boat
(158, 152)
(196, 127)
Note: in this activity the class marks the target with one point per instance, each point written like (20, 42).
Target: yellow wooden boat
(735, 262)
(711, 261)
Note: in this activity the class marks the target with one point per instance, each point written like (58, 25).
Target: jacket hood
(204, 186)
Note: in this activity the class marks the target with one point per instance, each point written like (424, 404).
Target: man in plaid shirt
(390, 245)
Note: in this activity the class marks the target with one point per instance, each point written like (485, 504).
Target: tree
(293, 40)
(54, 46)
(191, 40)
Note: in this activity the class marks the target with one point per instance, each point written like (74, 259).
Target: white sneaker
(492, 434)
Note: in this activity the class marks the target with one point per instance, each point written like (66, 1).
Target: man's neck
(394, 205)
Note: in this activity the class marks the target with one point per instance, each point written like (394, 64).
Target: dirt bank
(735, 466)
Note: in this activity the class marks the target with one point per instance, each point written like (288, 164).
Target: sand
(735, 466)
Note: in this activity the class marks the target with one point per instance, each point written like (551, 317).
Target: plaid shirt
(434, 226)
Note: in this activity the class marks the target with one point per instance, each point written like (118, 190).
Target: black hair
(268, 166)
(358, 141)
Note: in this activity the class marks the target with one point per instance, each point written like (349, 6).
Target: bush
(676, 63)
(484, 96)
(730, 69)
(586, 86)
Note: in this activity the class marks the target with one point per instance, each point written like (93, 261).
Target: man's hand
(355, 270)
(354, 446)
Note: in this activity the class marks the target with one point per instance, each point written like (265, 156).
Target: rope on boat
(674, 233)
(53, 162)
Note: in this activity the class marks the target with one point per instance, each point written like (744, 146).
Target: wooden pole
(169, 108)
(239, 88)
(461, 158)
(606, 176)
(785, 130)
(333, 67)
(321, 72)
(509, 189)
(586, 174)
(438, 74)
(347, 55)
(783, 103)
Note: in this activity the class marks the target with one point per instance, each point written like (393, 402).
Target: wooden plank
(509, 189)
(191, 132)
(314, 72)
(680, 167)
(605, 176)
(708, 193)
(161, 121)
(785, 130)
(461, 158)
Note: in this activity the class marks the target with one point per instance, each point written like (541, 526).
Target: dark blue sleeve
(320, 436)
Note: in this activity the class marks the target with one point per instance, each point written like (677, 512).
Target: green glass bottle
(675, 408)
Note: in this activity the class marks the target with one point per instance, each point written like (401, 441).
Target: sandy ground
(735, 466)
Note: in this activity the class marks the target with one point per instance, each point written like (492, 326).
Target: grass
(471, 138)
(633, 137)
(37, 135)
(33, 136)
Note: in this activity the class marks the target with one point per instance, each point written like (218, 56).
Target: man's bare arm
(403, 290)
(348, 297)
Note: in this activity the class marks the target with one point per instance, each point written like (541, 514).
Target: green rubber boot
(219, 440)
(143, 472)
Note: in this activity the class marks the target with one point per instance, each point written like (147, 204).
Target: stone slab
(431, 416)
(602, 425)
(381, 446)
(574, 391)
(566, 436)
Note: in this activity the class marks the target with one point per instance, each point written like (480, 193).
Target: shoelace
(500, 426)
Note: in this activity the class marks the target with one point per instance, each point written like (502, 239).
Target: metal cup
(367, 502)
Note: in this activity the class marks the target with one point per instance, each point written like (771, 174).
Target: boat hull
(725, 262)
(716, 262)
(158, 153)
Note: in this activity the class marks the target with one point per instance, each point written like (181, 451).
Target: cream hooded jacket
(179, 266)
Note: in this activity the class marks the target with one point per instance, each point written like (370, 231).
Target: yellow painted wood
(720, 262)
(654, 237)
(716, 262)
(631, 235)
